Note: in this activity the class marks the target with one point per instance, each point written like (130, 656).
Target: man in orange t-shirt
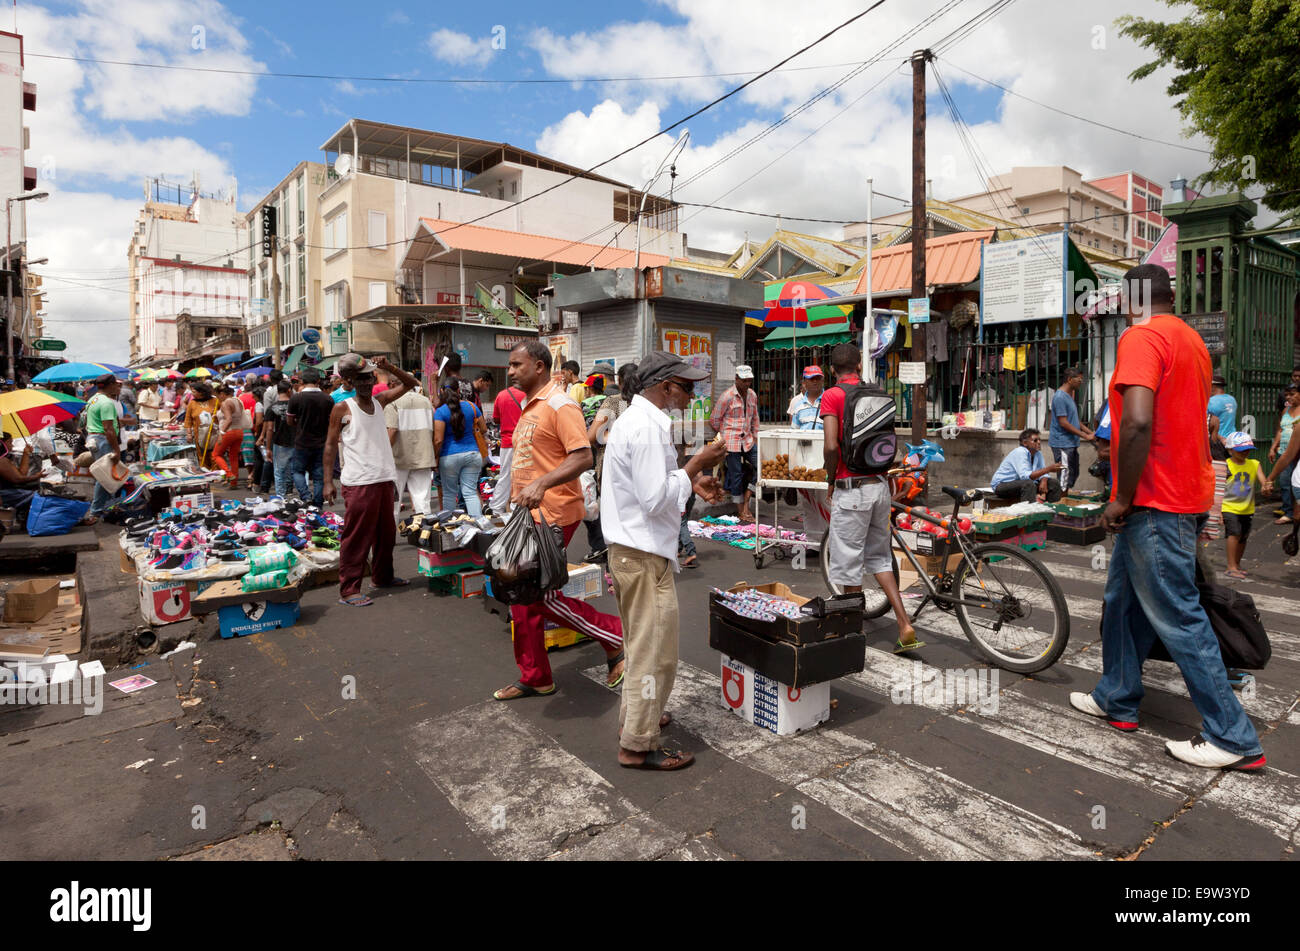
(1163, 483)
(551, 450)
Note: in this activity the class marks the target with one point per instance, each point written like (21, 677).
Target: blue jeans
(102, 496)
(305, 462)
(462, 469)
(282, 465)
(1284, 483)
(1069, 457)
(1151, 592)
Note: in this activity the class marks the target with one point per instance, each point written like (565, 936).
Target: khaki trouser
(647, 601)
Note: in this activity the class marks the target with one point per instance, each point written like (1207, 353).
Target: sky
(100, 130)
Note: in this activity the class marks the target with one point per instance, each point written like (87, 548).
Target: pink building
(1145, 201)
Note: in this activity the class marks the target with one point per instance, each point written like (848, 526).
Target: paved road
(421, 763)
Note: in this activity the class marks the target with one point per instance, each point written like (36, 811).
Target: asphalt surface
(371, 733)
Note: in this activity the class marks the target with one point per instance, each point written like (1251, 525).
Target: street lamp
(9, 281)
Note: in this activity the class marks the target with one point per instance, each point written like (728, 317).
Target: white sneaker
(1199, 751)
(1084, 703)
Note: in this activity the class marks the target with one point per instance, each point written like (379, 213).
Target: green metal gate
(1242, 293)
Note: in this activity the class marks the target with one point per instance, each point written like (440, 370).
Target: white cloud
(345, 87)
(1046, 51)
(83, 149)
(460, 48)
(397, 18)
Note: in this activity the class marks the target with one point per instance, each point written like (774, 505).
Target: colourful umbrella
(23, 412)
(75, 372)
(198, 373)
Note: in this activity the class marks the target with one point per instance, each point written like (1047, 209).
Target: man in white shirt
(641, 501)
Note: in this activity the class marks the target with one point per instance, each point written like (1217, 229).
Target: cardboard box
(469, 584)
(253, 617)
(555, 637)
(58, 632)
(1073, 535)
(192, 501)
(844, 616)
(771, 705)
(229, 592)
(435, 565)
(792, 664)
(585, 582)
(30, 601)
(127, 563)
(167, 602)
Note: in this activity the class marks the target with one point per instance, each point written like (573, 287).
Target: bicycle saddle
(963, 495)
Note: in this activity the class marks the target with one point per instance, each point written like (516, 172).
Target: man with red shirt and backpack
(1163, 482)
(506, 410)
(858, 422)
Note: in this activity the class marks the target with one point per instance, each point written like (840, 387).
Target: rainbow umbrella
(23, 412)
(199, 373)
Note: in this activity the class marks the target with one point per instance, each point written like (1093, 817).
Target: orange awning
(952, 259)
(534, 247)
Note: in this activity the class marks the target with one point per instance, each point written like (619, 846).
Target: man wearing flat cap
(642, 497)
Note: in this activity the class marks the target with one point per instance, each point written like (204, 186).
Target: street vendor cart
(787, 459)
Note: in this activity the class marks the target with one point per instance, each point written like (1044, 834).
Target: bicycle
(1007, 604)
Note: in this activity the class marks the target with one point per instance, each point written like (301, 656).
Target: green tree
(1238, 84)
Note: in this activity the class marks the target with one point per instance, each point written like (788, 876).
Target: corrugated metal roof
(829, 256)
(535, 247)
(952, 259)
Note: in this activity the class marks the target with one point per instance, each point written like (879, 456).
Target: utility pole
(919, 59)
(275, 304)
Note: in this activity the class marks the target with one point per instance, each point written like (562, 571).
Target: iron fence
(1012, 370)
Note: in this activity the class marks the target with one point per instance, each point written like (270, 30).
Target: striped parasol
(23, 412)
(199, 373)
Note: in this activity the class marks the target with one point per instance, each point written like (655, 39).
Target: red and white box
(770, 705)
(166, 602)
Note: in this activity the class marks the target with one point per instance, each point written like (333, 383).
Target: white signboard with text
(1023, 279)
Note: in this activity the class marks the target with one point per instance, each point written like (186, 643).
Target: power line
(1072, 115)
(970, 26)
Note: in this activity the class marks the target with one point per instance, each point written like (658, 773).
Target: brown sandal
(663, 760)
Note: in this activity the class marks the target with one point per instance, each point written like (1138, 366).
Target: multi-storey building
(16, 178)
(1145, 200)
(1053, 197)
(296, 261)
(188, 255)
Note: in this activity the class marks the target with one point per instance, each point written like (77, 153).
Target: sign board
(1023, 279)
(911, 372)
(338, 338)
(508, 342)
(268, 230)
(569, 319)
(444, 298)
(312, 351)
(260, 306)
(695, 347)
(1213, 329)
(563, 346)
(918, 310)
(46, 344)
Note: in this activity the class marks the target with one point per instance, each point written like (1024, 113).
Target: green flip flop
(901, 648)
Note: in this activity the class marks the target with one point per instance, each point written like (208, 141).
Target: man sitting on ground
(1024, 476)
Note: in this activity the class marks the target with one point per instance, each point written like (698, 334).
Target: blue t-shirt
(339, 395)
(1017, 465)
(467, 443)
(1225, 407)
(1063, 405)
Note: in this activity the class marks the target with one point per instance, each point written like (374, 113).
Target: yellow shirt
(1239, 490)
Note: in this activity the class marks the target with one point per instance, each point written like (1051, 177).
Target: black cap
(660, 366)
(106, 380)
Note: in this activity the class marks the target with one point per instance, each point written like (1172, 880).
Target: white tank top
(367, 454)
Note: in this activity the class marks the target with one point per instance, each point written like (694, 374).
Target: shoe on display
(1199, 751)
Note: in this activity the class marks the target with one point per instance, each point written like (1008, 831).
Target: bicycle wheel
(877, 605)
(1014, 613)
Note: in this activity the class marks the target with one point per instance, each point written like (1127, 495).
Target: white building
(188, 255)
(16, 177)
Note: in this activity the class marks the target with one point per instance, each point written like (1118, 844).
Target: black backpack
(867, 441)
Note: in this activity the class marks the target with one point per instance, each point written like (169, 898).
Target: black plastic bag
(552, 561)
(512, 561)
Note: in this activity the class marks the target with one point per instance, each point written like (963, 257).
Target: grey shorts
(859, 533)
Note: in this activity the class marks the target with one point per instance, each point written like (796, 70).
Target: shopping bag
(52, 515)
(512, 561)
(590, 495)
(553, 563)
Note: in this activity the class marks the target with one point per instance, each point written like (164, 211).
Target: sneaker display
(1084, 703)
(1199, 751)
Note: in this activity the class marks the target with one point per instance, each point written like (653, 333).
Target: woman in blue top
(459, 460)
